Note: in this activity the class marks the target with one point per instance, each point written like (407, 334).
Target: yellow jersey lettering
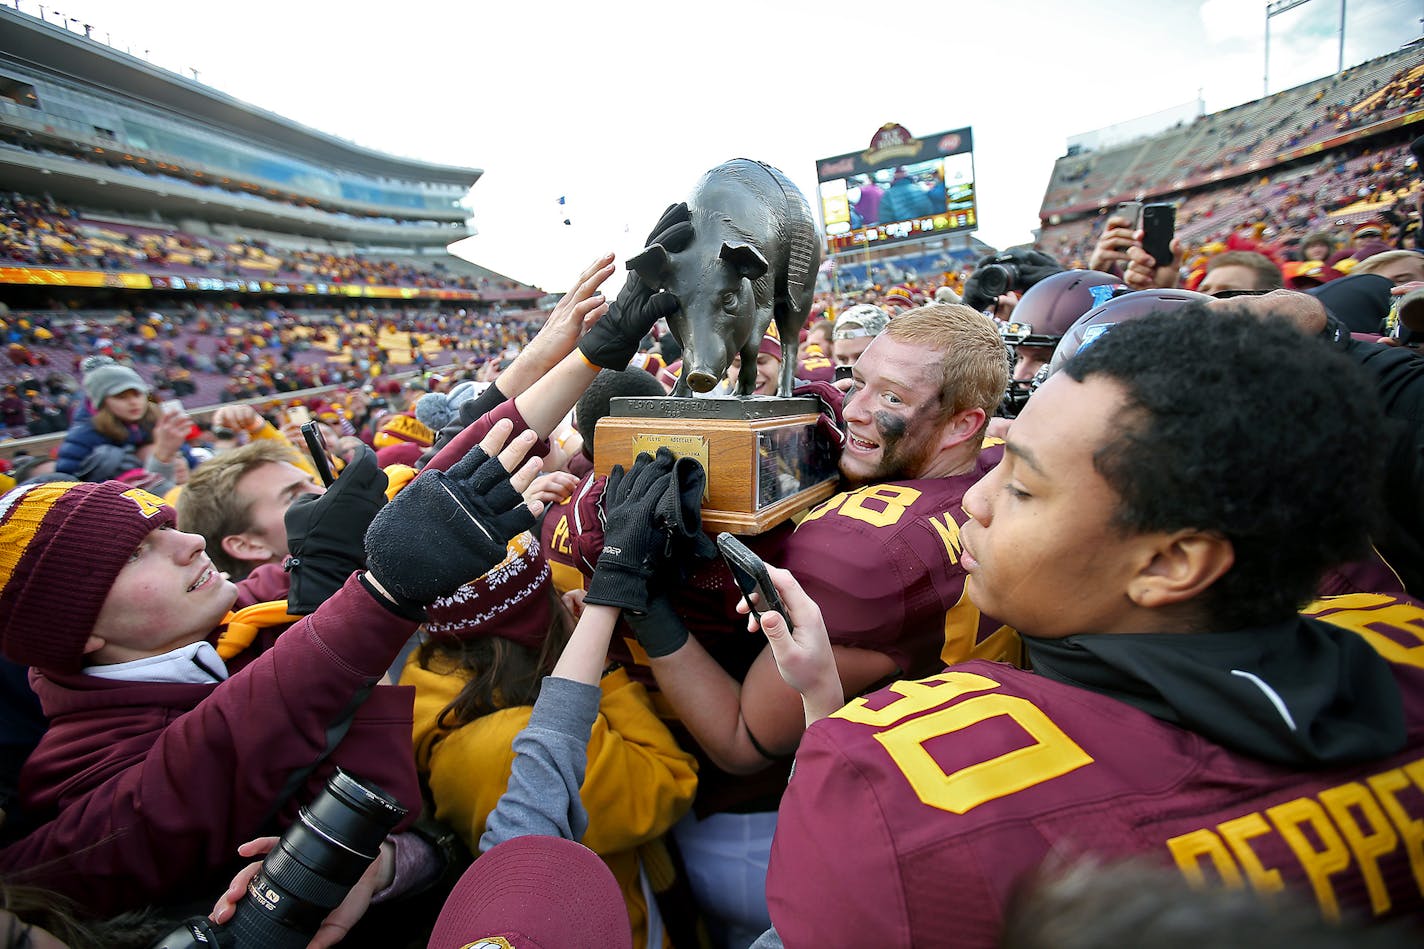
(1386, 787)
(948, 531)
(917, 696)
(1394, 629)
(1189, 849)
(824, 508)
(1355, 824)
(961, 636)
(1237, 834)
(1368, 846)
(1051, 755)
(561, 540)
(1319, 864)
(879, 505)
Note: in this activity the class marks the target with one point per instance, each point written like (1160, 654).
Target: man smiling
(883, 557)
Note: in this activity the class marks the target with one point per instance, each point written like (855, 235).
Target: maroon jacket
(150, 787)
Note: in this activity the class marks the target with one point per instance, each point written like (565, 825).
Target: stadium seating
(1239, 140)
(36, 232)
(1258, 165)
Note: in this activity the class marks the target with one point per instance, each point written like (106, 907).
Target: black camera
(992, 281)
(1013, 271)
(308, 873)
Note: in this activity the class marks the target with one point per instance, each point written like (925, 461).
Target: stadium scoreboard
(901, 188)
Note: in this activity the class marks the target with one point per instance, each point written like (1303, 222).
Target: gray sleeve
(768, 940)
(550, 756)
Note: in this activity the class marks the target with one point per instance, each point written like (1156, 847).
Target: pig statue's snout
(701, 381)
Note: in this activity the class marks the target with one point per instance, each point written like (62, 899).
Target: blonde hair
(1384, 259)
(211, 506)
(974, 364)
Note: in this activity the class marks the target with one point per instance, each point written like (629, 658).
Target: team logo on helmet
(1102, 293)
(1091, 333)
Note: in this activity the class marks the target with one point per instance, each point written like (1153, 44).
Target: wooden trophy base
(764, 458)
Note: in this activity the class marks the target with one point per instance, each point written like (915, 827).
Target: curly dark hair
(1243, 427)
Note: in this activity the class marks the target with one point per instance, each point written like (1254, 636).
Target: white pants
(726, 857)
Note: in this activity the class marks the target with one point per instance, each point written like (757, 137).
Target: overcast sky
(620, 106)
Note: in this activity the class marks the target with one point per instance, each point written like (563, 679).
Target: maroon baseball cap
(534, 893)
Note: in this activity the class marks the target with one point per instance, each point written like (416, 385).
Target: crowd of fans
(1280, 211)
(42, 232)
(1121, 563)
(206, 354)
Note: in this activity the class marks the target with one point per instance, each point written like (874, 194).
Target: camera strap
(335, 733)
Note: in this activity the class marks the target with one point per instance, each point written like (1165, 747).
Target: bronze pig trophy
(753, 260)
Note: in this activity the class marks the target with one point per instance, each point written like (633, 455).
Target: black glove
(633, 542)
(680, 510)
(674, 228)
(445, 529)
(614, 339)
(660, 631)
(325, 532)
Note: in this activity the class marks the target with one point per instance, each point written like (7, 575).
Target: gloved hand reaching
(325, 532)
(633, 541)
(680, 509)
(449, 527)
(613, 340)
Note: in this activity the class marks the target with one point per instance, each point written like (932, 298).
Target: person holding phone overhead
(1121, 248)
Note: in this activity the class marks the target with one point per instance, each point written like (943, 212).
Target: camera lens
(994, 280)
(315, 864)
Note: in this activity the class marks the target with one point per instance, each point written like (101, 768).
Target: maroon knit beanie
(62, 544)
(511, 601)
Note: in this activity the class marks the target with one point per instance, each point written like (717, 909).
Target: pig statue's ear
(746, 260)
(652, 265)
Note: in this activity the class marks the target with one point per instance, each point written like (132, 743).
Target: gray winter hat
(103, 377)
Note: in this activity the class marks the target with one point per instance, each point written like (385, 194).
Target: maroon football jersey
(882, 562)
(912, 812)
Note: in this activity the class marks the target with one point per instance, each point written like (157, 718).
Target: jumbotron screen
(899, 189)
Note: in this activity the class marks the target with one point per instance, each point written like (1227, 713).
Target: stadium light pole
(1277, 7)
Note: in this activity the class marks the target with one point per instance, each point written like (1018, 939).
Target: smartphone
(1131, 212)
(845, 372)
(1159, 223)
(317, 446)
(170, 405)
(752, 577)
(298, 415)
